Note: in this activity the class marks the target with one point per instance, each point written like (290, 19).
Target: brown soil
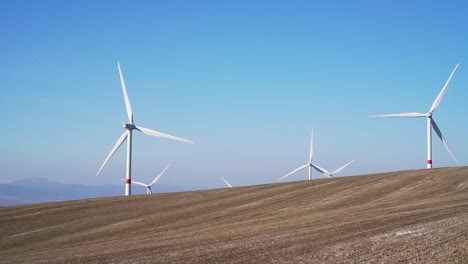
(400, 217)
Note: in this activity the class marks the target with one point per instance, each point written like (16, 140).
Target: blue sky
(246, 80)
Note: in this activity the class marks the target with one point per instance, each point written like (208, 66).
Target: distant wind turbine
(129, 127)
(148, 186)
(310, 165)
(430, 122)
(227, 183)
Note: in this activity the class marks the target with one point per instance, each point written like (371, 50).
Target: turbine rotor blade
(341, 168)
(227, 183)
(311, 153)
(161, 135)
(114, 149)
(439, 133)
(127, 100)
(160, 174)
(410, 115)
(442, 92)
(321, 170)
(139, 183)
(294, 171)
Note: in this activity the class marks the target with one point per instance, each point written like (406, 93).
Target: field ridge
(417, 216)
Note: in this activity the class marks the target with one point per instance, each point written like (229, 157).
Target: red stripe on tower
(128, 181)
(429, 161)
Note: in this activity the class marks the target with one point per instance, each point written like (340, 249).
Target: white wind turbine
(129, 127)
(227, 183)
(430, 122)
(148, 186)
(310, 165)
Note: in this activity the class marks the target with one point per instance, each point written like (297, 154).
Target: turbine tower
(430, 122)
(129, 127)
(311, 165)
(148, 186)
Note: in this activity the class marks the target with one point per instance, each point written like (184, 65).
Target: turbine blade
(229, 185)
(160, 174)
(439, 133)
(127, 100)
(341, 168)
(294, 171)
(442, 92)
(139, 183)
(159, 134)
(321, 170)
(411, 115)
(311, 153)
(114, 149)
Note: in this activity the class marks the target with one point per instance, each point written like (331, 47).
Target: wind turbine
(430, 122)
(310, 165)
(129, 127)
(148, 186)
(227, 183)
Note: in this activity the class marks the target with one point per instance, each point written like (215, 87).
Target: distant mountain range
(41, 190)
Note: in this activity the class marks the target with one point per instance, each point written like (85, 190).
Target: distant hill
(418, 216)
(40, 190)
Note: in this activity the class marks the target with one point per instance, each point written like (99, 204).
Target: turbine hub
(128, 126)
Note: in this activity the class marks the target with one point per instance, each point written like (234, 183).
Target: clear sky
(246, 80)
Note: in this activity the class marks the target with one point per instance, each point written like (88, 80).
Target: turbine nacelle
(128, 126)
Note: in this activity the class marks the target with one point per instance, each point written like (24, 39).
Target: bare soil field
(416, 216)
